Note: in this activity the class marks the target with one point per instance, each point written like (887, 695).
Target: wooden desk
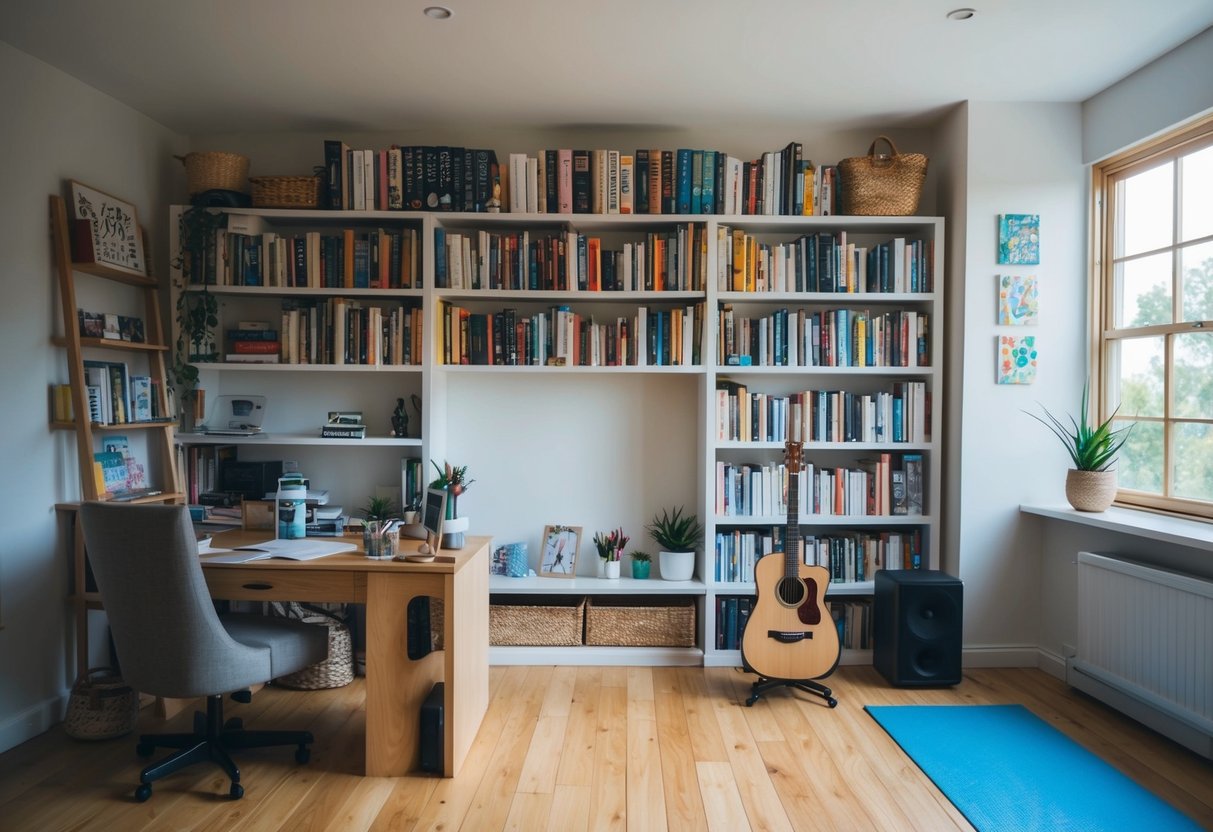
(395, 685)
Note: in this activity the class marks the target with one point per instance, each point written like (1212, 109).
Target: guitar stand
(808, 686)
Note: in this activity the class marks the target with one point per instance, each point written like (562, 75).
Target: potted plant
(678, 535)
(378, 514)
(610, 547)
(197, 309)
(642, 562)
(453, 478)
(1091, 483)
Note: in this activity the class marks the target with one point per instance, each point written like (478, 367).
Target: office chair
(170, 641)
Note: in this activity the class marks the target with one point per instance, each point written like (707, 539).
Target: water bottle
(292, 509)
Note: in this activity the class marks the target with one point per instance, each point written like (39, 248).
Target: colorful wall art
(1019, 239)
(1017, 300)
(1016, 359)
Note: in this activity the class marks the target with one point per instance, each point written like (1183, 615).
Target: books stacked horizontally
(344, 425)
(253, 342)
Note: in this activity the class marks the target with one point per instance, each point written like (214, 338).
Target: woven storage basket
(215, 170)
(334, 672)
(663, 622)
(539, 621)
(286, 191)
(101, 706)
(882, 185)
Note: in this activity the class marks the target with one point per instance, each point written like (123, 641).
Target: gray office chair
(171, 642)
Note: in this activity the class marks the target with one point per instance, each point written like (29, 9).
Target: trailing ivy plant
(197, 310)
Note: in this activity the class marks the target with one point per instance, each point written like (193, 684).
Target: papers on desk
(290, 549)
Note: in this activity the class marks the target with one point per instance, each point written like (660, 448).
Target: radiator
(1145, 646)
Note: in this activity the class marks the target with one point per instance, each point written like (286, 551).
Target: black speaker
(432, 730)
(918, 618)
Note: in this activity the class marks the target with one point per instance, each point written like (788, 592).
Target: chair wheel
(236, 792)
(144, 749)
(303, 754)
(143, 792)
(832, 702)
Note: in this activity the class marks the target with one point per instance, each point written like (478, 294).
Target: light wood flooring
(566, 748)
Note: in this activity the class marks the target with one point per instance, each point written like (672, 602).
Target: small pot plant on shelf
(378, 515)
(1091, 483)
(454, 479)
(642, 563)
(610, 547)
(679, 536)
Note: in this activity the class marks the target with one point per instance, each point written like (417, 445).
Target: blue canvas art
(1019, 239)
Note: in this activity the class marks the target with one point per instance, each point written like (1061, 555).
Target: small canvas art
(1017, 300)
(1016, 359)
(1019, 239)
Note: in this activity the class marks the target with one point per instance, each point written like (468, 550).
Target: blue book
(682, 182)
(440, 276)
(708, 203)
(696, 206)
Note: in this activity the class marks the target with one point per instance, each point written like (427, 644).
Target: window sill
(1180, 531)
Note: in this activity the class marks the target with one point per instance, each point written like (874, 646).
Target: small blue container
(516, 565)
(292, 509)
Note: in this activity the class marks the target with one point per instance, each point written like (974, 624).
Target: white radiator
(1145, 646)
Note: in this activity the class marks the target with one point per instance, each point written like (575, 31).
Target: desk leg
(396, 686)
(466, 638)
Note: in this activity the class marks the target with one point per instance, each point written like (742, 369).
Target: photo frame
(558, 551)
(113, 237)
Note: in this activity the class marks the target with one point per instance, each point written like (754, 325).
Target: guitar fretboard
(791, 548)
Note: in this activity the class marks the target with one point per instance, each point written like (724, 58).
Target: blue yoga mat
(1006, 769)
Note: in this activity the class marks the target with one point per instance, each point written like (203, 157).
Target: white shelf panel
(253, 367)
(297, 439)
(833, 591)
(306, 291)
(501, 585)
(809, 447)
(598, 656)
(545, 296)
(901, 298)
(752, 370)
(693, 369)
(732, 658)
(827, 520)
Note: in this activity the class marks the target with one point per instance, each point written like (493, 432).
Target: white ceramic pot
(453, 532)
(677, 566)
(612, 570)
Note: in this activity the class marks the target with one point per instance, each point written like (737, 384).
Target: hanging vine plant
(197, 309)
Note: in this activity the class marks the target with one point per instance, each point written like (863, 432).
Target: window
(1154, 301)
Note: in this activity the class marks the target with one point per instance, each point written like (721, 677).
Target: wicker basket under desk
(537, 621)
(628, 622)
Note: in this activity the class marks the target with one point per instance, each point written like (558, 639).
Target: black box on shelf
(251, 480)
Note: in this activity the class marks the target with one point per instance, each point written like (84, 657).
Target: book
(331, 431)
(288, 549)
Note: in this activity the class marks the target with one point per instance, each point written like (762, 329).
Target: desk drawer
(280, 584)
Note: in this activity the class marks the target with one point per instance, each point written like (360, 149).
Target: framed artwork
(113, 230)
(1017, 300)
(559, 556)
(1019, 239)
(1016, 359)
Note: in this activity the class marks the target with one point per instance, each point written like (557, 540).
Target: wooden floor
(585, 748)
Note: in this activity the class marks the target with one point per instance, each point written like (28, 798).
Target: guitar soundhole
(791, 592)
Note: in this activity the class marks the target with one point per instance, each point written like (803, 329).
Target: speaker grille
(918, 616)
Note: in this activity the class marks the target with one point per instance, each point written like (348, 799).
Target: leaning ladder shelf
(159, 434)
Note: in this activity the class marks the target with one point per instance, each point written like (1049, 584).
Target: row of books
(887, 485)
(900, 415)
(852, 619)
(822, 262)
(824, 338)
(116, 396)
(200, 468)
(560, 336)
(575, 181)
(849, 556)
(334, 331)
(353, 259)
(672, 260)
(410, 178)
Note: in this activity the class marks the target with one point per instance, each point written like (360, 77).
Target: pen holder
(377, 540)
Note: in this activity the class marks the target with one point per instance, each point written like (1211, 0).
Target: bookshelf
(152, 435)
(688, 378)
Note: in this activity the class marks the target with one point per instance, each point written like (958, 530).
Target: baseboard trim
(1051, 663)
(31, 722)
(1000, 655)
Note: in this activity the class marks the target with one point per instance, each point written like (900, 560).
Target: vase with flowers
(455, 481)
(610, 547)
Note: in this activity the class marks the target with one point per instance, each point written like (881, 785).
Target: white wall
(54, 128)
(1155, 98)
(1022, 158)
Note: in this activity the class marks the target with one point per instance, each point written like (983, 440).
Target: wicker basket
(101, 706)
(884, 185)
(215, 170)
(334, 672)
(662, 622)
(538, 621)
(286, 191)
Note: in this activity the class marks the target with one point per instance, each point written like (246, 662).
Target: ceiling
(245, 66)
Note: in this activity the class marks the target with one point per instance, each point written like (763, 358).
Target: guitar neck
(791, 547)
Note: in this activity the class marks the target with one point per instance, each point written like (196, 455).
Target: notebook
(235, 416)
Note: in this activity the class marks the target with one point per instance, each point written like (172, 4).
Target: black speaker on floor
(918, 614)
(432, 730)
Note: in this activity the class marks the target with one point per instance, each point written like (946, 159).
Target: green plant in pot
(453, 478)
(679, 536)
(379, 512)
(610, 546)
(1091, 483)
(642, 563)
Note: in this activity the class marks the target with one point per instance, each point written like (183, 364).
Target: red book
(255, 347)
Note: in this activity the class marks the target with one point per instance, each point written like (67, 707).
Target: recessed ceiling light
(955, 14)
(437, 12)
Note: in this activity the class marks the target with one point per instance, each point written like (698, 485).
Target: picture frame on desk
(106, 230)
(558, 558)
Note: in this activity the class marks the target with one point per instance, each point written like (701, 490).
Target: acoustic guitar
(790, 634)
